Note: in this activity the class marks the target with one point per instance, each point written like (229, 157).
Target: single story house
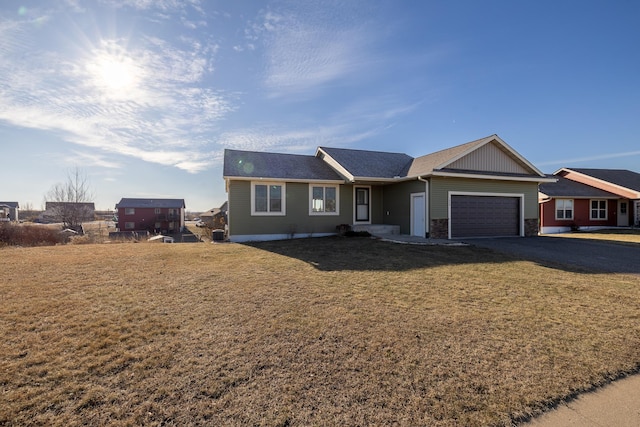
(74, 212)
(151, 215)
(589, 199)
(216, 217)
(481, 188)
(9, 211)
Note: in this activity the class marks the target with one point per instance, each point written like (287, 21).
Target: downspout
(427, 221)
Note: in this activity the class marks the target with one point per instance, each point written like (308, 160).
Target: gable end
(490, 158)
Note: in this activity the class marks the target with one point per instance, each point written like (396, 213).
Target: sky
(143, 96)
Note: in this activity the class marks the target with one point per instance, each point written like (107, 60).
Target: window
(564, 209)
(623, 208)
(268, 199)
(157, 211)
(324, 200)
(598, 209)
(129, 225)
(129, 211)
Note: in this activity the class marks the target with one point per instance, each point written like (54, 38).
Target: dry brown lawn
(307, 332)
(615, 235)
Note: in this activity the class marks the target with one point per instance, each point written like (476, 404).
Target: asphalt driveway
(592, 255)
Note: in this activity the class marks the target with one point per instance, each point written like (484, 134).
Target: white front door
(623, 213)
(417, 215)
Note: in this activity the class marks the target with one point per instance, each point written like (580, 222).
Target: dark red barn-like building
(164, 216)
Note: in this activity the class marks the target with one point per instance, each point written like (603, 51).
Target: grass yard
(306, 332)
(615, 235)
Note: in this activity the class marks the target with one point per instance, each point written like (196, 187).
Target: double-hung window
(129, 211)
(598, 209)
(323, 199)
(267, 198)
(564, 209)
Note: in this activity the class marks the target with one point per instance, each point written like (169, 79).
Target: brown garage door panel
(480, 216)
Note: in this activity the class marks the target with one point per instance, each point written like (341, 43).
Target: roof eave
(634, 193)
(266, 179)
(494, 177)
(335, 165)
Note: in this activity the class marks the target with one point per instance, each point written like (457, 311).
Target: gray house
(9, 211)
(481, 188)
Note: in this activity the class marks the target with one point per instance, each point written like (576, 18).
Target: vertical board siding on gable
(297, 219)
(440, 187)
(489, 158)
(397, 201)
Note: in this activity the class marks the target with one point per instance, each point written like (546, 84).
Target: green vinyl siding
(397, 203)
(297, 218)
(440, 187)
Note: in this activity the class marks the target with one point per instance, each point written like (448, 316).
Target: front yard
(307, 332)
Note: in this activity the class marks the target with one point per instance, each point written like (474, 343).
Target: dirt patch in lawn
(347, 332)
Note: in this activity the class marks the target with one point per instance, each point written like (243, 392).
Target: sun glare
(115, 75)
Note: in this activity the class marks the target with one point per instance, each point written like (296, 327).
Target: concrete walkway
(617, 404)
(415, 240)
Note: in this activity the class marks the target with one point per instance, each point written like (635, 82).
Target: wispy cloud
(146, 100)
(309, 45)
(597, 157)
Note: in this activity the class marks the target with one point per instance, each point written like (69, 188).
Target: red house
(151, 215)
(589, 199)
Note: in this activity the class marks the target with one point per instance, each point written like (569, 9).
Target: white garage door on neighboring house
(484, 216)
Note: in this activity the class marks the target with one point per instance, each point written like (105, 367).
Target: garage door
(485, 216)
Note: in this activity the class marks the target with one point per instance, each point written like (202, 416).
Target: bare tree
(70, 202)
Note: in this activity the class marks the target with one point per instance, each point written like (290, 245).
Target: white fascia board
(637, 193)
(266, 178)
(357, 179)
(335, 165)
(494, 177)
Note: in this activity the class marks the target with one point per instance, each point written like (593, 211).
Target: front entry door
(623, 213)
(417, 215)
(362, 204)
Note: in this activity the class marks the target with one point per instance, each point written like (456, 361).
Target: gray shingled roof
(253, 164)
(151, 203)
(622, 177)
(425, 165)
(568, 188)
(10, 204)
(371, 164)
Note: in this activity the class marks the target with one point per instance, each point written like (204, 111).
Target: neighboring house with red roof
(481, 188)
(589, 199)
(151, 215)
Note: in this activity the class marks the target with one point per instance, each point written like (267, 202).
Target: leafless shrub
(29, 235)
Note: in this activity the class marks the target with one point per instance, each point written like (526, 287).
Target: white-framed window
(268, 198)
(129, 225)
(129, 211)
(598, 210)
(157, 211)
(324, 199)
(564, 208)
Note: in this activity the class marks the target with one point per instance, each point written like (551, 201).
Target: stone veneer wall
(531, 227)
(439, 229)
